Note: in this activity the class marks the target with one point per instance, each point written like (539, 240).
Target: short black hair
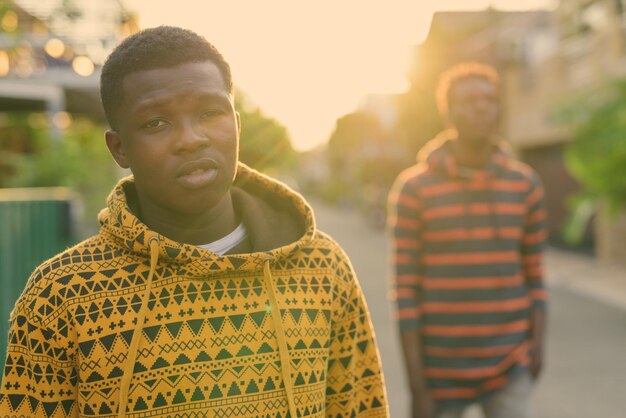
(459, 72)
(159, 47)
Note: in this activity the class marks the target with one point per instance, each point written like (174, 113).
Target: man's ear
(116, 148)
(238, 122)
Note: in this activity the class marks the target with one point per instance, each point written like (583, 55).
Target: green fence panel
(35, 224)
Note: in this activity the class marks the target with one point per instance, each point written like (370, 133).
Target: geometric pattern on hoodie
(208, 342)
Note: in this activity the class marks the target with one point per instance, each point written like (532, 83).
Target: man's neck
(475, 154)
(204, 228)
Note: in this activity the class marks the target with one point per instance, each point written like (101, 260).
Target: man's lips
(198, 173)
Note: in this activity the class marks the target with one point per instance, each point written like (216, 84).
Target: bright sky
(306, 63)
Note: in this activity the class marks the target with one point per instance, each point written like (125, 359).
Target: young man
(468, 230)
(208, 290)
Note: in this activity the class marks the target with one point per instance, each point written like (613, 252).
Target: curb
(586, 276)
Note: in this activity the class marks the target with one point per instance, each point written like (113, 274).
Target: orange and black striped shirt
(467, 251)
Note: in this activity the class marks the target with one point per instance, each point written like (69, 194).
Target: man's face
(178, 132)
(473, 108)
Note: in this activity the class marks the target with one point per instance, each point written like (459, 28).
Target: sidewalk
(584, 275)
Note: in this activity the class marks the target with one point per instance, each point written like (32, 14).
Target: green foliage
(582, 207)
(79, 160)
(596, 156)
(264, 144)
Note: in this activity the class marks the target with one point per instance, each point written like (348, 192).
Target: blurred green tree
(79, 160)
(264, 143)
(596, 156)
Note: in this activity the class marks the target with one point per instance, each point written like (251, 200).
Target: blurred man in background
(467, 226)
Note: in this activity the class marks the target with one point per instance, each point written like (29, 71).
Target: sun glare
(309, 63)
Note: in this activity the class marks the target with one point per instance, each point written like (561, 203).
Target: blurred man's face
(473, 109)
(178, 133)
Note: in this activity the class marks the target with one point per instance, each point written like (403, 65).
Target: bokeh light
(9, 21)
(62, 120)
(5, 65)
(24, 69)
(55, 48)
(83, 66)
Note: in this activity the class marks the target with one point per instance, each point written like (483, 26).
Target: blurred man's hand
(423, 406)
(536, 357)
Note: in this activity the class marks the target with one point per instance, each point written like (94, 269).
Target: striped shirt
(467, 250)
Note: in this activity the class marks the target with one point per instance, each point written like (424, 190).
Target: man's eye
(210, 114)
(156, 123)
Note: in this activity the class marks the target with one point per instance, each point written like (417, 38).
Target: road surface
(585, 374)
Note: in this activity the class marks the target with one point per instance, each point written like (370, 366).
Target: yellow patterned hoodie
(163, 329)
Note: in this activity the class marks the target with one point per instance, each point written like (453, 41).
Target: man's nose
(191, 136)
(483, 104)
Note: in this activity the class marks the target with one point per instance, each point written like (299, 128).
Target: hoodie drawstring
(280, 336)
(153, 243)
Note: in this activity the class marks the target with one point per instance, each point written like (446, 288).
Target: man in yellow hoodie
(208, 291)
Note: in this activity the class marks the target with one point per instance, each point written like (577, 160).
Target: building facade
(547, 60)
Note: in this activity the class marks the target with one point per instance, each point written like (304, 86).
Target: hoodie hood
(278, 221)
(439, 156)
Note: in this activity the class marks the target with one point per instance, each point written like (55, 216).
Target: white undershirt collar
(230, 241)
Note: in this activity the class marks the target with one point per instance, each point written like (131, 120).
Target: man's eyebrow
(213, 95)
(159, 102)
(151, 104)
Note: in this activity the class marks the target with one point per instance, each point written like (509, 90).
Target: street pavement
(585, 365)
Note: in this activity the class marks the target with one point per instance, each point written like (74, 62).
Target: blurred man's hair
(459, 72)
(160, 47)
